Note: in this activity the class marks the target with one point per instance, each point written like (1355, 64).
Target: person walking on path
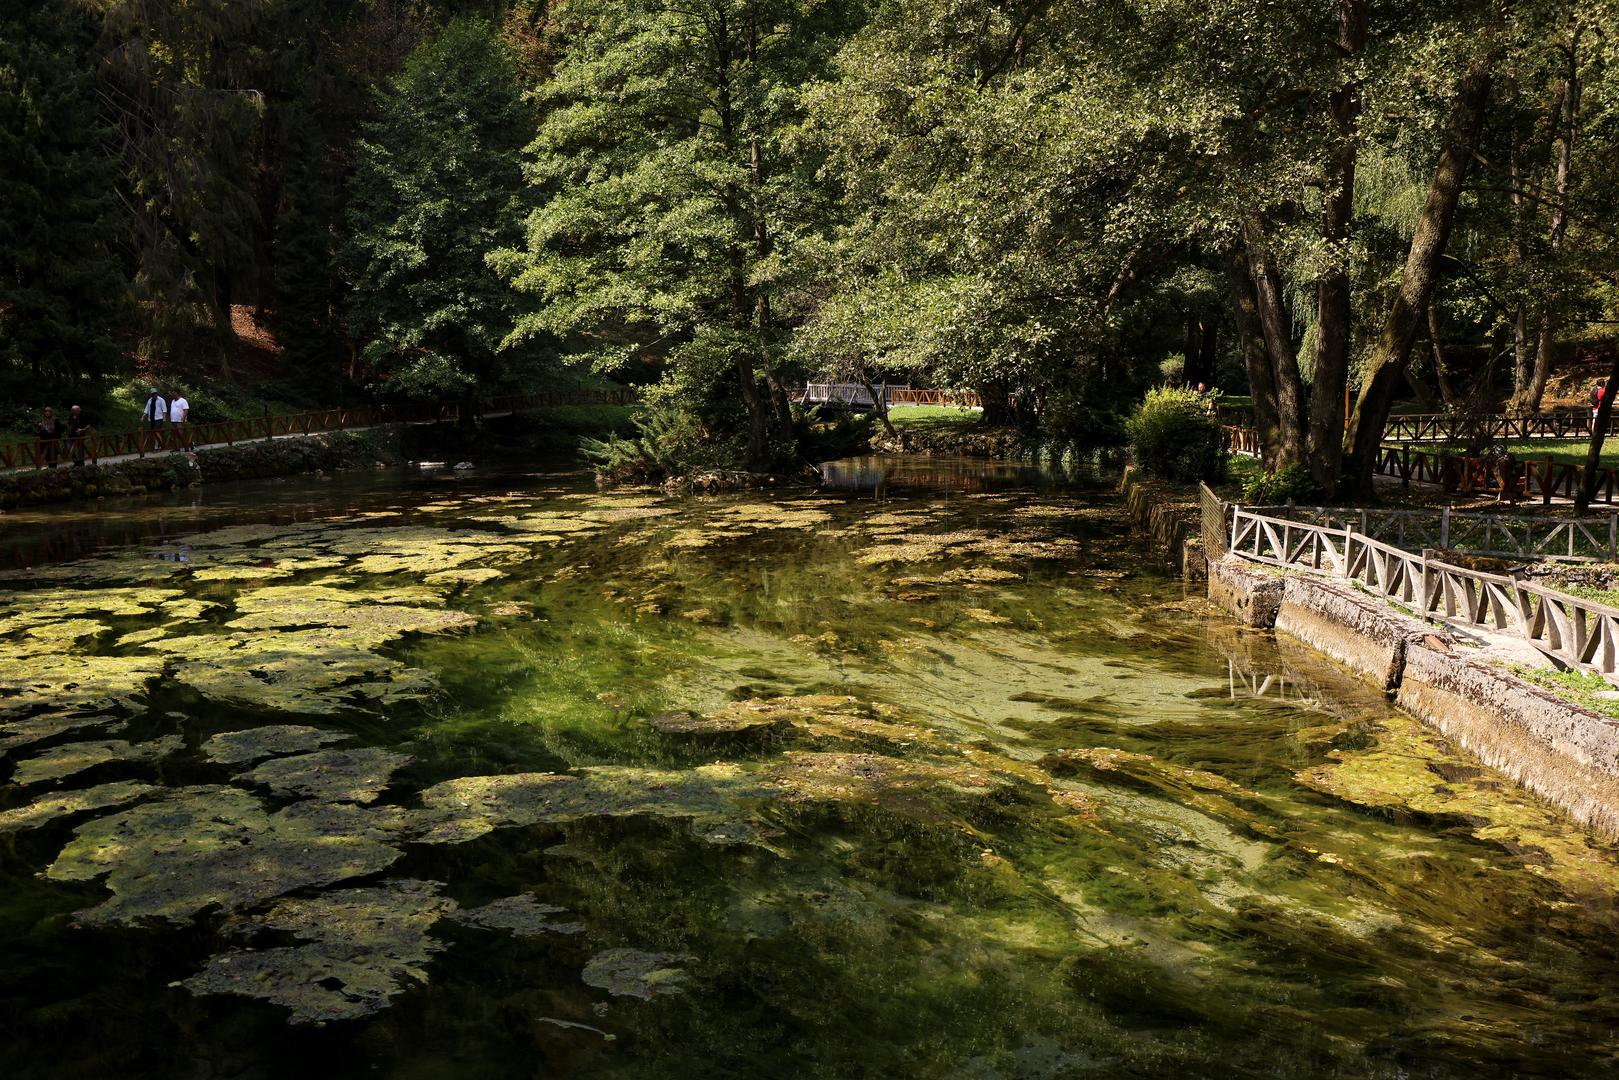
(78, 432)
(155, 412)
(1598, 391)
(179, 414)
(50, 433)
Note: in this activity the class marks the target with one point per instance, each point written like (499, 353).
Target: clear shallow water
(956, 783)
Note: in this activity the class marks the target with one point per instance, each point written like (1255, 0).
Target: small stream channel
(934, 772)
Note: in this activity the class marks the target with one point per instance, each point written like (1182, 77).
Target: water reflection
(879, 475)
(53, 534)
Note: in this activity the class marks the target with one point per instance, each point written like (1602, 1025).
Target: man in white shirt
(155, 411)
(179, 413)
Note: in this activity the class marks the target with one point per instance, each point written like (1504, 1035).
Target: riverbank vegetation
(1324, 207)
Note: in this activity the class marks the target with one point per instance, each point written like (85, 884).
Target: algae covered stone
(715, 798)
(522, 915)
(356, 775)
(270, 740)
(202, 846)
(70, 758)
(48, 809)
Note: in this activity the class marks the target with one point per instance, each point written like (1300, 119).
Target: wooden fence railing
(964, 399)
(1446, 427)
(1443, 427)
(40, 453)
(1510, 536)
(1544, 479)
(1575, 632)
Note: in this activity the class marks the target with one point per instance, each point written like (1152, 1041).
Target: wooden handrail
(1576, 632)
(1544, 478)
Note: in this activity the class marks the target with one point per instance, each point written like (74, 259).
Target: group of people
(59, 439)
(156, 412)
(62, 440)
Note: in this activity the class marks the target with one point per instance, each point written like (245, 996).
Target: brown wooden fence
(966, 399)
(1444, 427)
(40, 453)
(1506, 478)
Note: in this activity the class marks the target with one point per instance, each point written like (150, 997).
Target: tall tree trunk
(1545, 340)
(758, 413)
(1522, 362)
(1207, 347)
(1404, 320)
(1599, 433)
(1255, 358)
(1420, 390)
(1333, 290)
(1277, 331)
(996, 402)
(1447, 392)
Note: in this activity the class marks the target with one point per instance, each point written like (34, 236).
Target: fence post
(1613, 535)
(1546, 483)
(1444, 528)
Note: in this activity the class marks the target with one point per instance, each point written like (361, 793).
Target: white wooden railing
(1511, 536)
(1573, 631)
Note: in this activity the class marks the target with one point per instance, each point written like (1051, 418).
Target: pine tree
(62, 295)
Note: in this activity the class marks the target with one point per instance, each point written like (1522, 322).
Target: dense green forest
(1056, 204)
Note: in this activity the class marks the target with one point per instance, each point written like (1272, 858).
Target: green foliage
(673, 200)
(1172, 436)
(439, 186)
(1291, 483)
(665, 443)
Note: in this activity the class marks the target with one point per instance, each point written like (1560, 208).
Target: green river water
(935, 772)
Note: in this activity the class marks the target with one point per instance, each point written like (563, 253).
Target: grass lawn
(1577, 686)
(932, 415)
(1567, 451)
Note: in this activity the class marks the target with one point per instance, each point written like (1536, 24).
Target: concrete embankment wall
(1170, 516)
(1563, 752)
(1566, 754)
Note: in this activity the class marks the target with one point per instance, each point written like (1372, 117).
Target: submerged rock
(357, 775)
(522, 915)
(203, 846)
(711, 797)
(1405, 766)
(63, 761)
(362, 947)
(271, 740)
(632, 973)
(43, 811)
(736, 720)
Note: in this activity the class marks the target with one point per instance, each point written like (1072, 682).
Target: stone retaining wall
(1248, 593)
(1359, 632)
(1167, 514)
(253, 460)
(1566, 754)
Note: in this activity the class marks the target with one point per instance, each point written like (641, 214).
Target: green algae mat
(552, 782)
